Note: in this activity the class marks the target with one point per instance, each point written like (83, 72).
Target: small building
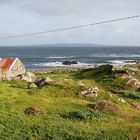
(10, 68)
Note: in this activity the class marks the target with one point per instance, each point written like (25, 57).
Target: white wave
(115, 55)
(135, 55)
(126, 56)
(116, 61)
(60, 64)
(121, 62)
(59, 57)
(112, 55)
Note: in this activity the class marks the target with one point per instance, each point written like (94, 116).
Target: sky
(27, 16)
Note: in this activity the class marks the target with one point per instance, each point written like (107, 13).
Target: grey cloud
(39, 15)
(74, 7)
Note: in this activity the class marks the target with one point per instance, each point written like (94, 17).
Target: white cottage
(11, 67)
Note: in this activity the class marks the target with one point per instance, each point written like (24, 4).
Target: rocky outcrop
(33, 81)
(91, 92)
(43, 81)
(137, 62)
(39, 82)
(105, 105)
(69, 62)
(131, 81)
(74, 62)
(134, 83)
(28, 76)
(134, 71)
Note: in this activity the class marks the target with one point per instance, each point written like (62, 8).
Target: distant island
(70, 45)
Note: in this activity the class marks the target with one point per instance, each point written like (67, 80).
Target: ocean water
(51, 56)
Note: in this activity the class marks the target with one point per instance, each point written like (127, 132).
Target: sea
(53, 56)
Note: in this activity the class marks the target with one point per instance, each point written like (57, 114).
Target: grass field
(65, 114)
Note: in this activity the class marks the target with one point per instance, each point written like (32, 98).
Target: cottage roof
(5, 63)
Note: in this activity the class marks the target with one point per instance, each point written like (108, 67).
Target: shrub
(132, 95)
(115, 134)
(95, 72)
(82, 115)
(138, 90)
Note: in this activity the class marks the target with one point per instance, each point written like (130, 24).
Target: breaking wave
(60, 64)
(59, 57)
(115, 55)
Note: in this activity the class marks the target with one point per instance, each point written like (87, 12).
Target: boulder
(105, 105)
(122, 100)
(32, 110)
(137, 62)
(74, 62)
(43, 81)
(131, 61)
(134, 71)
(94, 95)
(91, 92)
(81, 84)
(48, 79)
(32, 85)
(84, 92)
(66, 63)
(69, 62)
(28, 76)
(134, 83)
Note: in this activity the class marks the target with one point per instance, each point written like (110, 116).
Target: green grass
(65, 115)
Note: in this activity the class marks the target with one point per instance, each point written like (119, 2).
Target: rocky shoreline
(55, 69)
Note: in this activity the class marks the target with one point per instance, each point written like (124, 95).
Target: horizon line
(58, 45)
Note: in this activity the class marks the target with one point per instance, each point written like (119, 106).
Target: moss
(94, 72)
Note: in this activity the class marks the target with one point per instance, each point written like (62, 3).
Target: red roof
(5, 63)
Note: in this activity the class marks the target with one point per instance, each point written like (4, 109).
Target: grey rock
(134, 83)
(32, 85)
(28, 76)
(134, 71)
(81, 84)
(66, 63)
(43, 81)
(69, 62)
(91, 92)
(122, 100)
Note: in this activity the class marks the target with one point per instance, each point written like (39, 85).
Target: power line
(69, 28)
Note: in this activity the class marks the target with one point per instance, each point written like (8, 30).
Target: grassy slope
(61, 107)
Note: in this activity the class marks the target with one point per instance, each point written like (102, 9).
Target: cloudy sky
(27, 16)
